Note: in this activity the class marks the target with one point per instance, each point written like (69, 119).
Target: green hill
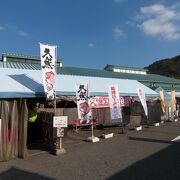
(167, 67)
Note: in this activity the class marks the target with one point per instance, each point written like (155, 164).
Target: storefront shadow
(38, 145)
(29, 83)
(164, 165)
(18, 174)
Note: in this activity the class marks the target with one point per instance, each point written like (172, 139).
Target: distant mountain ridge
(168, 67)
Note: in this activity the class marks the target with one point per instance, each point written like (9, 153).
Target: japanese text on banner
(103, 101)
(48, 59)
(114, 102)
(83, 103)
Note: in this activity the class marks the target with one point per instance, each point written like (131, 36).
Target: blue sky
(93, 33)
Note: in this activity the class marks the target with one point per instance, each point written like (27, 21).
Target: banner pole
(92, 127)
(55, 81)
(91, 117)
(60, 139)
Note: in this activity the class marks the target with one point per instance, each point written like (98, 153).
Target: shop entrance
(35, 141)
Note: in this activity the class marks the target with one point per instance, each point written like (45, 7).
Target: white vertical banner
(83, 103)
(48, 64)
(114, 102)
(141, 94)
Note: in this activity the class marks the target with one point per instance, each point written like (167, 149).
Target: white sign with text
(60, 132)
(60, 121)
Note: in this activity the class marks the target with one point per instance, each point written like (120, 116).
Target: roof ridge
(24, 56)
(126, 67)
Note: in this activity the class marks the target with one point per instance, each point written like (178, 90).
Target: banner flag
(141, 94)
(162, 100)
(48, 64)
(114, 102)
(83, 103)
(173, 101)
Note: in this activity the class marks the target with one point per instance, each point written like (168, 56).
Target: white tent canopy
(21, 83)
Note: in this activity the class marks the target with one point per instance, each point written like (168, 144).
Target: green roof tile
(110, 66)
(109, 74)
(148, 78)
(17, 65)
(170, 88)
(22, 56)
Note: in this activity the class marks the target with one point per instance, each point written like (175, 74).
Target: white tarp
(29, 83)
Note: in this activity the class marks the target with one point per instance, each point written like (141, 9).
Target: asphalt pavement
(149, 154)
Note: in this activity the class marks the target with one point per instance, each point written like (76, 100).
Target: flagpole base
(156, 124)
(139, 128)
(175, 120)
(106, 136)
(58, 152)
(92, 139)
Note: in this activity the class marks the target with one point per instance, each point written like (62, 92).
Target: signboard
(60, 132)
(83, 103)
(60, 121)
(114, 102)
(125, 101)
(48, 59)
(103, 101)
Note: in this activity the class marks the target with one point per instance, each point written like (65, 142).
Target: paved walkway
(147, 154)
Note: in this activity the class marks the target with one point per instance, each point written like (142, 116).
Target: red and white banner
(83, 103)
(114, 102)
(103, 101)
(48, 59)
(141, 94)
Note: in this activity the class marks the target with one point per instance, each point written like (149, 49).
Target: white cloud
(159, 20)
(91, 45)
(23, 34)
(2, 28)
(13, 29)
(118, 33)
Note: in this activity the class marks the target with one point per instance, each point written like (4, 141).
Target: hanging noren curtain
(13, 129)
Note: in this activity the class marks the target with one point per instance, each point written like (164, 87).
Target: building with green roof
(15, 59)
(153, 81)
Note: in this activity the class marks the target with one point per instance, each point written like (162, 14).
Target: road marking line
(176, 139)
